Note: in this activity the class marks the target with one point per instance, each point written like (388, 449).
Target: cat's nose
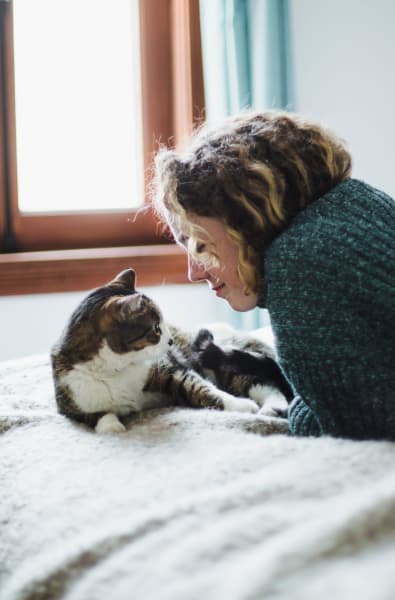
(171, 342)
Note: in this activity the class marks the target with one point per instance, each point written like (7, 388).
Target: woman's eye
(183, 240)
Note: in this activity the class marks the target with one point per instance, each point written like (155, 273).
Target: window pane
(78, 115)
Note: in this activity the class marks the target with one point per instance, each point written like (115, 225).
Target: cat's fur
(118, 356)
(242, 365)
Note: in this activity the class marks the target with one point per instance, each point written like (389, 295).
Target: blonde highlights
(254, 173)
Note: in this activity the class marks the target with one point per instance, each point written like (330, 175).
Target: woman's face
(222, 278)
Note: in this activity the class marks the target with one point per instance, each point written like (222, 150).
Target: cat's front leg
(189, 388)
(238, 404)
(109, 423)
(271, 400)
(194, 390)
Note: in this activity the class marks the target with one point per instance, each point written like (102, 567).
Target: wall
(343, 59)
(31, 324)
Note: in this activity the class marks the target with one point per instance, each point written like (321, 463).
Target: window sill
(77, 270)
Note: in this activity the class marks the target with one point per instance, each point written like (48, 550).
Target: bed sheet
(187, 504)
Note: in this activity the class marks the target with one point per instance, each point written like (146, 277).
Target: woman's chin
(241, 302)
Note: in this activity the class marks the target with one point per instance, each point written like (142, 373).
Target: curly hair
(255, 172)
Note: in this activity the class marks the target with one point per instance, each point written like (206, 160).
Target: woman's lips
(218, 288)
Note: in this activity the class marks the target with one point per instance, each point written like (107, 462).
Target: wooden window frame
(49, 248)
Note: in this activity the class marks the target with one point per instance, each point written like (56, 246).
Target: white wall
(31, 324)
(344, 62)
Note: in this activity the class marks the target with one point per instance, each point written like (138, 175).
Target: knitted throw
(330, 292)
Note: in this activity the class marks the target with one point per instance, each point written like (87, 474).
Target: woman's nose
(196, 272)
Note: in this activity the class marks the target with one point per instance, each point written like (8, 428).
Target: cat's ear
(127, 278)
(203, 339)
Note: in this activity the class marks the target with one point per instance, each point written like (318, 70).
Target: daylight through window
(78, 105)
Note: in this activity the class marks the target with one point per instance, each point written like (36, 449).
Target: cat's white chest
(112, 383)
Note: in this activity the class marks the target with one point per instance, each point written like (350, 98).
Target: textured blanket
(187, 504)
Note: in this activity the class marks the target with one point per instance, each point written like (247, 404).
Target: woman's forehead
(196, 227)
(210, 226)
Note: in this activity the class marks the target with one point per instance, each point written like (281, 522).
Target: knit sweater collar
(304, 214)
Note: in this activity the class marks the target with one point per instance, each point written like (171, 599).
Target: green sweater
(330, 291)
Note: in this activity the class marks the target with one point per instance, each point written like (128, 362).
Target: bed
(187, 504)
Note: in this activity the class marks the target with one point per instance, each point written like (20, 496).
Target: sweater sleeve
(330, 295)
(302, 420)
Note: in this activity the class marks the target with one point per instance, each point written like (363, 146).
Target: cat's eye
(200, 248)
(157, 328)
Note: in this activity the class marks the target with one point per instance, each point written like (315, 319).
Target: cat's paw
(239, 404)
(109, 424)
(269, 411)
(269, 398)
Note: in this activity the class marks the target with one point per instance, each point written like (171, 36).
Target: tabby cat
(118, 356)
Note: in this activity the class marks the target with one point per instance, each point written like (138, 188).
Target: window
(64, 243)
(77, 105)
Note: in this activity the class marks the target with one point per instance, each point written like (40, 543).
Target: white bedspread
(186, 505)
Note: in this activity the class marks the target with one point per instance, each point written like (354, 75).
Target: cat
(118, 356)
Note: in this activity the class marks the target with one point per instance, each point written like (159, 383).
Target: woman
(269, 215)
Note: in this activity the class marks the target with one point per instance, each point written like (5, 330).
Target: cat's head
(119, 317)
